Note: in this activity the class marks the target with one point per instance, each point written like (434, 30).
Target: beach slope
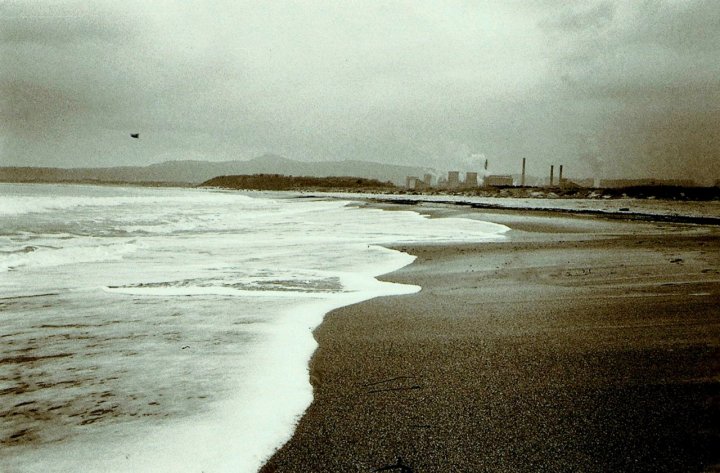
(560, 349)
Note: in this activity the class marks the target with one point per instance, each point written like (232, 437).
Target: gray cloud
(55, 23)
(648, 81)
(578, 18)
(603, 87)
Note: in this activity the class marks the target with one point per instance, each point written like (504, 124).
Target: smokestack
(560, 175)
(522, 178)
(552, 172)
(486, 162)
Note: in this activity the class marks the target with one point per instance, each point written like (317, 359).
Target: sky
(615, 88)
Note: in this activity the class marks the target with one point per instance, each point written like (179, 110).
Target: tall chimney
(552, 172)
(560, 176)
(486, 164)
(522, 178)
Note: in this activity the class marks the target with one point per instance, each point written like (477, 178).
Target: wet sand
(578, 344)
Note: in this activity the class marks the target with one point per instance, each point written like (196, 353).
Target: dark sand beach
(578, 344)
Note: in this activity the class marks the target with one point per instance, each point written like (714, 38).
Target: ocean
(167, 329)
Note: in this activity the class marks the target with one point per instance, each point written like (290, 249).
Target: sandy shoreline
(580, 344)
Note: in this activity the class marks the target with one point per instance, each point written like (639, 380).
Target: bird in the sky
(135, 135)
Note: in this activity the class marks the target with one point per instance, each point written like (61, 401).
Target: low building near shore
(586, 182)
(609, 183)
(498, 180)
(413, 182)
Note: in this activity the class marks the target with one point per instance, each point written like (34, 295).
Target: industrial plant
(475, 179)
(555, 178)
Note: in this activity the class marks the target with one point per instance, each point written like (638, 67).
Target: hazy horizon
(607, 88)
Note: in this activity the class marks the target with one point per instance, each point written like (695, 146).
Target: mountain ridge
(194, 172)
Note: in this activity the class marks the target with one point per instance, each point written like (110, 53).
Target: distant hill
(277, 182)
(196, 172)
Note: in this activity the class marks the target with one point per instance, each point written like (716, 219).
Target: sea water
(150, 329)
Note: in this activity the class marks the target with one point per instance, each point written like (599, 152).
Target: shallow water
(170, 329)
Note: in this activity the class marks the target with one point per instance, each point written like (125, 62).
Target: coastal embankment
(579, 344)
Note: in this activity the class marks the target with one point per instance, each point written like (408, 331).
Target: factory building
(471, 179)
(498, 180)
(410, 181)
(414, 182)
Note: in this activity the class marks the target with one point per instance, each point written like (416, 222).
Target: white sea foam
(243, 430)
(19, 200)
(32, 256)
(240, 282)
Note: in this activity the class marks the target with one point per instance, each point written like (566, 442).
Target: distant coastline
(354, 184)
(160, 176)
(339, 176)
(96, 182)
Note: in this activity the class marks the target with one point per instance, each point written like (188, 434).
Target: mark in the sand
(31, 359)
(29, 296)
(25, 403)
(401, 388)
(387, 380)
(18, 389)
(17, 434)
(74, 325)
(11, 335)
(399, 466)
(19, 437)
(382, 385)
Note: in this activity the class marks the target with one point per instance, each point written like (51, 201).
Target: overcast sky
(607, 88)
